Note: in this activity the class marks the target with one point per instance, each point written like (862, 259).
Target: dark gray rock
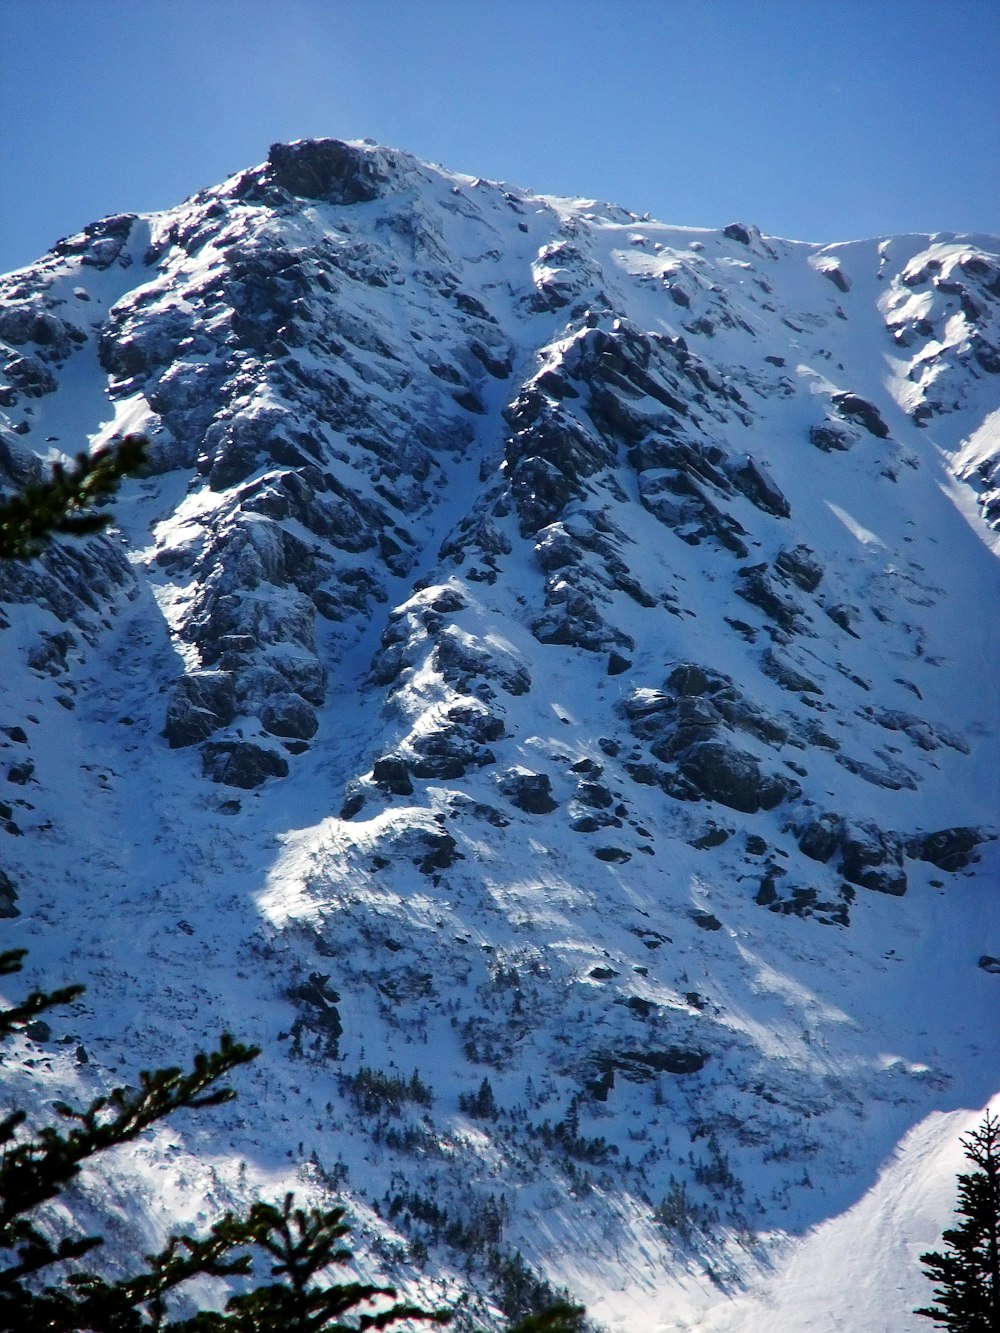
(8, 897)
(100, 243)
(723, 773)
(843, 615)
(440, 850)
(856, 408)
(201, 702)
(326, 169)
(595, 795)
(780, 669)
(531, 792)
(872, 857)
(892, 775)
(20, 774)
(555, 548)
(641, 1066)
(49, 654)
(832, 437)
(837, 276)
(682, 505)
(29, 378)
(753, 480)
(241, 763)
(948, 849)
(706, 920)
(737, 231)
(289, 715)
(759, 589)
(613, 855)
(391, 774)
(820, 838)
(800, 564)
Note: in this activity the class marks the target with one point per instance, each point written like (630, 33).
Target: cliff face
(550, 651)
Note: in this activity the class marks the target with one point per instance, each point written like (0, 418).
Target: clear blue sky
(817, 119)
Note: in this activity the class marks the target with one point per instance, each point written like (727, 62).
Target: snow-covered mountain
(543, 691)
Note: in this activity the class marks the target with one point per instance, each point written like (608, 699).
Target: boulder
(948, 848)
(754, 481)
(289, 715)
(531, 792)
(391, 774)
(832, 437)
(800, 564)
(820, 838)
(201, 702)
(732, 777)
(242, 763)
(872, 857)
(856, 408)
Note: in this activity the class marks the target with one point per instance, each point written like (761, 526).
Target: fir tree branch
(63, 503)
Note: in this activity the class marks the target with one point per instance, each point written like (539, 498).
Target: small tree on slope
(968, 1271)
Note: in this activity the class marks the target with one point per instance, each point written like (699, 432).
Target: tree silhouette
(968, 1271)
(64, 501)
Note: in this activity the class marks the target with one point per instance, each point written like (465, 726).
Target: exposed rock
(326, 169)
(49, 654)
(21, 773)
(801, 566)
(856, 408)
(289, 715)
(529, 791)
(8, 897)
(737, 231)
(706, 920)
(948, 848)
(750, 477)
(640, 1066)
(391, 774)
(780, 669)
(820, 838)
(440, 850)
(100, 243)
(201, 702)
(872, 857)
(832, 436)
(758, 588)
(733, 777)
(890, 774)
(843, 615)
(682, 505)
(615, 855)
(241, 763)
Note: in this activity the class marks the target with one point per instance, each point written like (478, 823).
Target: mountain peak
(569, 637)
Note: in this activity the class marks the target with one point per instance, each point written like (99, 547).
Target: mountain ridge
(547, 642)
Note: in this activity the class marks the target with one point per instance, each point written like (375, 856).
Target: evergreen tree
(968, 1271)
(63, 502)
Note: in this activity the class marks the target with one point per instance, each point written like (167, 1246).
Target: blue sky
(816, 119)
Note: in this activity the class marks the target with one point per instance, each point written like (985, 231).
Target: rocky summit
(542, 689)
